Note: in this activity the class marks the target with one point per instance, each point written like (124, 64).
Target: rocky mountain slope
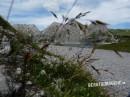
(74, 32)
(27, 28)
(70, 33)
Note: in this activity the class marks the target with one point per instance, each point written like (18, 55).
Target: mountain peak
(27, 28)
(71, 32)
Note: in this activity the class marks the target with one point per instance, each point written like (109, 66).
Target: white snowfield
(118, 68)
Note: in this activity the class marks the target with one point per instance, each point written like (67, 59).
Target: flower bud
(42, 93)
(29, 83)
(18, 71)
(43, 72)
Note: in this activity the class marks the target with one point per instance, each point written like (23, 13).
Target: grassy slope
(6, 25)
(122, 46)
(120, 32)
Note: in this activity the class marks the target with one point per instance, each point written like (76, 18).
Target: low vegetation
(6, 25)
(121, 46)
(64, 79)
(120, 32)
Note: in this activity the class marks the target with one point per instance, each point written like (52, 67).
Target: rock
(73, 32)
(27, 28)
(3, 85)
(70, 33)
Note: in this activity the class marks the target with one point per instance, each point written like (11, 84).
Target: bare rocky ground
(119, 68)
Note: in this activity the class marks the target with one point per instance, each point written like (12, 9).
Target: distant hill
(121, 46)
(123, 36)
(120, 32)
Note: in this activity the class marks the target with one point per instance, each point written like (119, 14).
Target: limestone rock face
(97, 28)
(30, 30)
(70, 33)
(99, 33)
(74, 32)
(27, 28)
(50, 31)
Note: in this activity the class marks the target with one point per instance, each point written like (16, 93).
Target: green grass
(6, 25)
(64, 79)
(122, 46)
(120, 32)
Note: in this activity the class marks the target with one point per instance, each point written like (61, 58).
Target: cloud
(52, 4)
(56, 5)
(114, 12)
(110, 11)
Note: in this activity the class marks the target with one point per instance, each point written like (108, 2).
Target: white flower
(29, 83)
(17, 86)
(42, 93)
(27, 74)
(51, 65)
(42, 60)
(43, 72)
(18, 71)
(37, 95)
